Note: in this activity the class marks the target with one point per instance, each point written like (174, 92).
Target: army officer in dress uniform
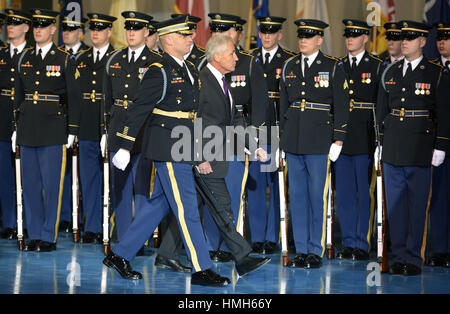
(413, 115)
(355, 178)
(314, 108)
(394, 39)
(265, 223)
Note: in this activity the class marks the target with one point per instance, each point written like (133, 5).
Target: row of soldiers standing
(318, 101)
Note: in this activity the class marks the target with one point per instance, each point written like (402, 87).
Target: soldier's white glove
(121, 159)
(335, 151)
(103, 145)
(438, 158)
(377, 156)
(70, 141)
(13, 141)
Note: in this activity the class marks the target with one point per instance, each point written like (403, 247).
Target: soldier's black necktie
(97, 57)
(132, 57)
(353, 68)
(409, 69)
(70, 51)
(16, 52)
(267, 58)
(40, 54)
(447, 65)
(306, 66)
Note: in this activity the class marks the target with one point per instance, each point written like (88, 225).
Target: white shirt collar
(74, 48)
(219, 77)
(271, 52)
(137, 53)
(393, 60)
(102, 52)
(45, 49)
(19, 48)
(311, 58)
(444, 60)
(414, 64)
(358, 57)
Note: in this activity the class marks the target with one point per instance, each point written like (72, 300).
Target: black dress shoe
(90, 237)
(223, 257)
(313, 261)
(122, 266)
(209, 278)
(360, 255)
(249, 264)
(212, 255)
(299, 261)
(412, 270)
(258, 247)
(32, 245)
(9, 234)
(397, 269)
(46, 246)
(345, 253)
(65, 226)
(171, 264)
(269, 247)
(437, 260)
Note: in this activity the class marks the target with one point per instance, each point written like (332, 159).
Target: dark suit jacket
(214, 111)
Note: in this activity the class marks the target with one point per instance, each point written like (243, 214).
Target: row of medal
(323, 80)
(53, 70)
(238, 81)
(423, 89)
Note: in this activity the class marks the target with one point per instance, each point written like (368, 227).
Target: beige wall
(337, 11)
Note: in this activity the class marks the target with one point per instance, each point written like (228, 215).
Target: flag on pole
(378, 44)
(316, 9)
(260, 8)
(119, 37)
(75, 6)
(435, 11)
(199, 8)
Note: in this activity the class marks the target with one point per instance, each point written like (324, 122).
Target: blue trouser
(264, 222)
(440, 209)
(408, 193)
(174, 183)
(91, 181)
(308, 192)
(66, 209)
(355, 184)
(43, 169)
(235, 180)
(122, 190)
(7, 186)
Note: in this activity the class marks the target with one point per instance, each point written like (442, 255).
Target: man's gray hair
(217, 44)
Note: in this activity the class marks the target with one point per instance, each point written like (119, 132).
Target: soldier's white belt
(361, 105)
(7, 92)
(402, 113)
(92, 96)
(39, 97)
(122, 103)
(275, 95)
(176, 114)
(311, 106)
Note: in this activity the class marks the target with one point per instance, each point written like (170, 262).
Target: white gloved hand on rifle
(438, 158)
(13, 141)
(103, 145)
(121, 159)
(377, 156)
(70, 141)
(335, 151)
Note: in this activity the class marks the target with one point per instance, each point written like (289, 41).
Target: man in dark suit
(18, 24)
(412, 108)
(87, 122)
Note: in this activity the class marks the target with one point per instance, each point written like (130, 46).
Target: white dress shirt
(74, 48)
(19, 48)
(414, 64)
(271, 52)
(393, 60)
(137, 53)
(445, 60)
(44, 49)
(102, 52)
(311, 60)
(358, 58)
(219, 77)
